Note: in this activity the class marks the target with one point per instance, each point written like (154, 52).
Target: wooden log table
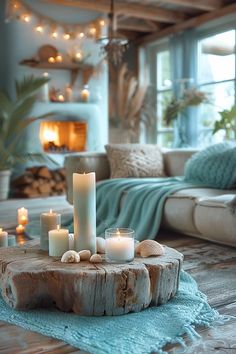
(29, 278)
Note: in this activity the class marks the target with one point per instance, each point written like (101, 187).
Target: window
(216, 76)
(164, 93)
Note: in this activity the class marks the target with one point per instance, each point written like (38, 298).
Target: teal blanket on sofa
(135, 203)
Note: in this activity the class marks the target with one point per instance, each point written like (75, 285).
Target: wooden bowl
(47, 51)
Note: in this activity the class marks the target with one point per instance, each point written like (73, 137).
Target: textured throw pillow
(135, 160)
(214, 166)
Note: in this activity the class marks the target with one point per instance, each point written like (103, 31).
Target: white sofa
(200, 212)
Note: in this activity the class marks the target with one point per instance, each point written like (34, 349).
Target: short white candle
(20, 229)
(58, 242)
(3, 238)
(119, 245)
(84, 200)
(22, 216)
(48, 221)
(85, 94)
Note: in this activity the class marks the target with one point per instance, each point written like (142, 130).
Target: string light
(66, 36)
(39, 29)
(51, 60)
(26, 18)
(102, 23)
(81, 35)
(93, 30)
(54, 34)
(24, 12)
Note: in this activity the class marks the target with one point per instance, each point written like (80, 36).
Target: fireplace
(63, 136)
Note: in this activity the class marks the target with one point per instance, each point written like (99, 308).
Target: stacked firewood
(39, 182)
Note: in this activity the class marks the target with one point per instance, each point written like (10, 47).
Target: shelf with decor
(74, 68)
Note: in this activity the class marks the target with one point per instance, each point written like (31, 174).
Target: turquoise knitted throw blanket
(136, 333)
(136, 203)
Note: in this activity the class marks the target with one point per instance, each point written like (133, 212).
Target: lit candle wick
(58, 227)
(50, 211)
(0, 229)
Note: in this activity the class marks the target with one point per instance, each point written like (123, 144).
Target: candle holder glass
(119, 245)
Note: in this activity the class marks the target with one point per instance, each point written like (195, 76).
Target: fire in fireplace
(63, 136)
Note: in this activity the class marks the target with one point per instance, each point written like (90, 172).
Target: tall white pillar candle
(58, 242)
(84, 200)
(48, 221)
(3, 238)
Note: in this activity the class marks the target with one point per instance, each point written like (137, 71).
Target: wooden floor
(214, 268)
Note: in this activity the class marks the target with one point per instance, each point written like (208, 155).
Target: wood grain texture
(213, 267)
(29, 278)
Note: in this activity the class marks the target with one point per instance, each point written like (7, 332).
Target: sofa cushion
(175, 159)
(135, 160)
(179, 209)
(214, 166)
(216, 220)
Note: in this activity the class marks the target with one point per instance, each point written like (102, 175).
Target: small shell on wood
(70, 257)
(101, 245)
(85, 255)
(149, 248)
(95, 258)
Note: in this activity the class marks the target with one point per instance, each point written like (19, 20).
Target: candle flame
(23, 209)
(0, 229)
(58, 227)
(50, 211)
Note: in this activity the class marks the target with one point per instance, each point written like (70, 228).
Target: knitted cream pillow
(134, 160)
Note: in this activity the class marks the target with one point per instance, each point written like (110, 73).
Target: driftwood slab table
(29, 278)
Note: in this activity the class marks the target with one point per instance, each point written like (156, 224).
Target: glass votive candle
(119, 247)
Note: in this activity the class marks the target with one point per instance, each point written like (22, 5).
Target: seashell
(95, 258)
(85, 255)
(70, 257)
(149, 248)
(100, 245)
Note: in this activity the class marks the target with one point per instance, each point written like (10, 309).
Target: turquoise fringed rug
(136, 333)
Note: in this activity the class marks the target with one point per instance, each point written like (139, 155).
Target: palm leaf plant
(14, 118)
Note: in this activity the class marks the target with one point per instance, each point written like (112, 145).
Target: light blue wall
(19, 41)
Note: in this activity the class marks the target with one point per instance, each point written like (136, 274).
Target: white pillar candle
(3, 238)
(84, 200)
(48, 221)
(58, 242)
(119, 245)
(22, 214)
(45, 90)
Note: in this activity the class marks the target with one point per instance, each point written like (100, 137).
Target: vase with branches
(191, 97)
(128, 106)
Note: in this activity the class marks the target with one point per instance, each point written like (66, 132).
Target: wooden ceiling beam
(191, 23)
(207, 5)
(138, 27)
(123, 8)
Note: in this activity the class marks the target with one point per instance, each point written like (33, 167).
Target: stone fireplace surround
(97, 131)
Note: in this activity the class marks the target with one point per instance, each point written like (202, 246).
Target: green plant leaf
(29, 86)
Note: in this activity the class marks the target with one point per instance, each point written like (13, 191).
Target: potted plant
(227, 122)
(14, 118)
